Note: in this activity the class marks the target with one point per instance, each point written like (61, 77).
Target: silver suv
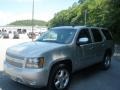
(50, 60)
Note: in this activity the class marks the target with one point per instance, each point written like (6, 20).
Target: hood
(32, 49)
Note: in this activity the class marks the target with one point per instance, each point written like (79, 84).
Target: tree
(81, 1)
(100, 13)
(114, 19)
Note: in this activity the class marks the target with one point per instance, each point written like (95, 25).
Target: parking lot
(5, 43)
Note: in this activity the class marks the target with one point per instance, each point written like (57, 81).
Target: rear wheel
(60, 78)
(106, 62)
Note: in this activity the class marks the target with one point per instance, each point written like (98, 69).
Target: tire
(60, 78)
(106, 62)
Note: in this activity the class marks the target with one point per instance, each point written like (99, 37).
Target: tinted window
(107, 34)
(85, 33)
(96, 35)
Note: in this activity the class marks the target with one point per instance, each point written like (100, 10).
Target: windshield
(64, 36)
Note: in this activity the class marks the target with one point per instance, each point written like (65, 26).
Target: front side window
(64, 36)
(96, 35)
(84, 33)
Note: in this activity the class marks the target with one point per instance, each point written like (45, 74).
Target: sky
(12, 10)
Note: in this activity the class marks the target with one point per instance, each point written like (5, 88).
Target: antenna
(32, 19)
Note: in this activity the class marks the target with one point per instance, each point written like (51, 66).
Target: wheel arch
(66, 62)
(108, 51)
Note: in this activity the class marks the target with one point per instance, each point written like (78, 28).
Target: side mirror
(83, 40)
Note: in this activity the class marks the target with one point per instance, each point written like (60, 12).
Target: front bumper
(30, 77)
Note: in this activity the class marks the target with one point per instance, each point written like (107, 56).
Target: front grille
(15, 62)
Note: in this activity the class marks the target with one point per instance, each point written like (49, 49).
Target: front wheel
(60, 78)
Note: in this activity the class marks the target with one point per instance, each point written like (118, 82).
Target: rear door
(108, 40)
(98, 44)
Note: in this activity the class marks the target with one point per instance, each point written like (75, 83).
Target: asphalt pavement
(92, 78)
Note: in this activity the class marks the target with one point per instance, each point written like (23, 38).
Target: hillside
(28, 23)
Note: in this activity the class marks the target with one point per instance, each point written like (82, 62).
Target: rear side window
(96, 35)
(107, 34)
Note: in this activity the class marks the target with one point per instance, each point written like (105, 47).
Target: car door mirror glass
(83, 40)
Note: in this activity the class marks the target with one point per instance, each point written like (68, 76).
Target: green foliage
(28, 23)
(81, 1)
(75, 15)
(114, 19)
(100, 13)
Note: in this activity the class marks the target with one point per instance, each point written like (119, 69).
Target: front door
(85, 50)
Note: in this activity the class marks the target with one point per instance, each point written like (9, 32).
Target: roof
(69, 27)
(75, 27)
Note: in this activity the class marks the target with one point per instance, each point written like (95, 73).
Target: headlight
(35, 63)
